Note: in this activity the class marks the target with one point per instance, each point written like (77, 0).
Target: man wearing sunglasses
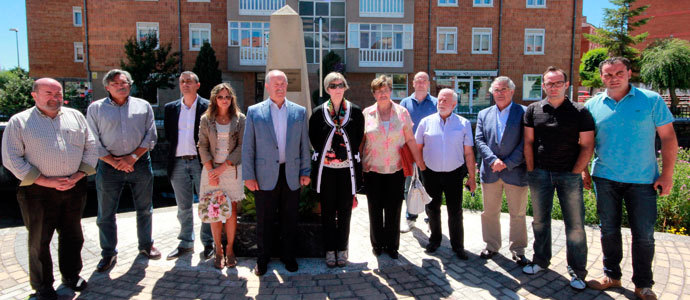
(559, 141)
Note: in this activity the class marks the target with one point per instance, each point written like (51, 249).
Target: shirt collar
(546, 102)
(275, 106)
(40, 113)
(427, 98)
(631, 93)
(112, 102)
(193, 103)
(505, 110)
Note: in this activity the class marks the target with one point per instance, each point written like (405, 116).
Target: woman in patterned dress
(220, 149)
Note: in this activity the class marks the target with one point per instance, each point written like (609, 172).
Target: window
(78, 51)
(199, 33)
(446, 39)
(382, 8)
(536, 3)
(248, 34)
(146, 29)
(260, 7)
(483, 3)
(534, 41)
(380, 36)
(332, 14)
(481, 40)
(76, 16)
(399, 85)
(531, 87)
(447, 2)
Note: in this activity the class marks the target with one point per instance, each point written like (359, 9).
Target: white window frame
(475, 4)
(78, 49)
(200, 27)
(149, 26)
(535, 4)
(399, 86)
(328, 36)
(259, 7)
(482, 32)
(354, 30)
(451, 3)
(381, 8)
(447, 31)
(77, 10)
(535, 32)
(525, 77)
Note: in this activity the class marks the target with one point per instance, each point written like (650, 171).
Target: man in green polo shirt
(625, 171)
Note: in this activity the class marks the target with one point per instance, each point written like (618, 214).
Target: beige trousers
(516, 196)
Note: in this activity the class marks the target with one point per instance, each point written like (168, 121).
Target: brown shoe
(151, 253)
(603, 283)
(645, 293)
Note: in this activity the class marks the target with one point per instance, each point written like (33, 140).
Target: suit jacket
(208, 139)
(170, 119)
(509, 150)
(260, 146)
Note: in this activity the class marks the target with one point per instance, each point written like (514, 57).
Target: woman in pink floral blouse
(387, 128)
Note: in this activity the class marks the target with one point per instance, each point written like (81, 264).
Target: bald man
(51, 151)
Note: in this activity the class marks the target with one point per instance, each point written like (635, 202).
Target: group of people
(215, 151)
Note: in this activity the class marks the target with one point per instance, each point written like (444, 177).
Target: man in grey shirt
(50, 150)
(125, 132)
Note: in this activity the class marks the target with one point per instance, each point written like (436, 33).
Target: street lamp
(16, 35)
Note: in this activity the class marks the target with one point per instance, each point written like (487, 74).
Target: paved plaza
(415, 274)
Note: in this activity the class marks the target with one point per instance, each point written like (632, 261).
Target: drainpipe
(86, 45)
(572, 49)
(179, 32)
(428, 57)
(500, 24)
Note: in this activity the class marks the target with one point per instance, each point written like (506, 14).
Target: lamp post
(16, 35)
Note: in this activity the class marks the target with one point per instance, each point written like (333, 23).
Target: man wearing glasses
(559, 141)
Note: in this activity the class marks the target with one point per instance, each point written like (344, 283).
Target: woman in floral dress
(220, 148)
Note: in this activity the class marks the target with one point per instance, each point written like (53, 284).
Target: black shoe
(106, 263)
(377, 251)
(151, 253)
(521, 260)
(261, 267)
(486, 254)
(78, 284)
(290, 264)
(209, 251)
(461, 254)
(392, 253)
(431, 247)
(179, 251)
(44, 295)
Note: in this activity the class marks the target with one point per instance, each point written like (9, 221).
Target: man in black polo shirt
(559, 141)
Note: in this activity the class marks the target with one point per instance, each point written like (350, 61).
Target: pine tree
(206, 67)
(151, 65)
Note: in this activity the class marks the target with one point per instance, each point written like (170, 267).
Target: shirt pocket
(75, 137)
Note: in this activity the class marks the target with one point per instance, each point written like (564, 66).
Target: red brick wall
(669, 19)
(213, 12)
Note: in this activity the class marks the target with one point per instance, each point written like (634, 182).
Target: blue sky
(13, 15)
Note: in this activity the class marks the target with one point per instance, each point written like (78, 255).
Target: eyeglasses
(557, 84)
(224, 97)
(334, 86)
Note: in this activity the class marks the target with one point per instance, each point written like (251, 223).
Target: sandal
(330, 259)
(218, 261)
(230, 261)
(342, 258)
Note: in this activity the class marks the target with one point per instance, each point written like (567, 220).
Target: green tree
(666, 65)
(152, 66)
(332, 62)
(15, 94)
(615, 33)
(206, 67)
(589, 67)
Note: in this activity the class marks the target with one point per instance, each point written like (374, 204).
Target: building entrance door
(464, 89)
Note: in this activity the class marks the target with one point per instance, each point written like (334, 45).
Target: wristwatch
(134, 155)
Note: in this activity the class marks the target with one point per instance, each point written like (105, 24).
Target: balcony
(392, 58)
(382, 8)
(253, 56)
(260, 7)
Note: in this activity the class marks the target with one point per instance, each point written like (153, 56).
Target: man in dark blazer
(275, 163)
(499, 139)
(181, 124)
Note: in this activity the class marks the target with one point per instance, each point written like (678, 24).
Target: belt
(188, 157)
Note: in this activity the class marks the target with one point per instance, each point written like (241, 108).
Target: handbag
(417, 197)
(407, 160)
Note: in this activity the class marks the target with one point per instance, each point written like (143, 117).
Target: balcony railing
(260, 7)
(382, 8)
(253, 56)
(381, 58)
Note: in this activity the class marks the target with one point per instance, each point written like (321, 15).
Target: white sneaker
(532, 269)
(407, 226)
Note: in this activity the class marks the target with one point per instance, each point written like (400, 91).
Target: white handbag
(417, 197)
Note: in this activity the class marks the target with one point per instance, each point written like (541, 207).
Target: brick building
(669, 19)
(585, 44)
(462, 44)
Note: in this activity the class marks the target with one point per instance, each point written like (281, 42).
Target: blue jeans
(109, 184)
(185, 180)
(640, 202)
(542, 184)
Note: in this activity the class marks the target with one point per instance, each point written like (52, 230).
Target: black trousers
(279, 204)
(336, 207)
(45, 210)
(384, 199)
(450, 184)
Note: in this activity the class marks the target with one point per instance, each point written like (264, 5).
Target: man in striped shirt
(50, 150)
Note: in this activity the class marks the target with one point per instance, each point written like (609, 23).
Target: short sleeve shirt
(444, 141)
(625, 136)
(381, 147)
(557, 133)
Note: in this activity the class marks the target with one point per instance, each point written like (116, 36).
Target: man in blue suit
(181, 123)
(275, 162)
(500, 143)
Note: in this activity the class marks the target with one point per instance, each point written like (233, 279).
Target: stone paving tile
(416, 275)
